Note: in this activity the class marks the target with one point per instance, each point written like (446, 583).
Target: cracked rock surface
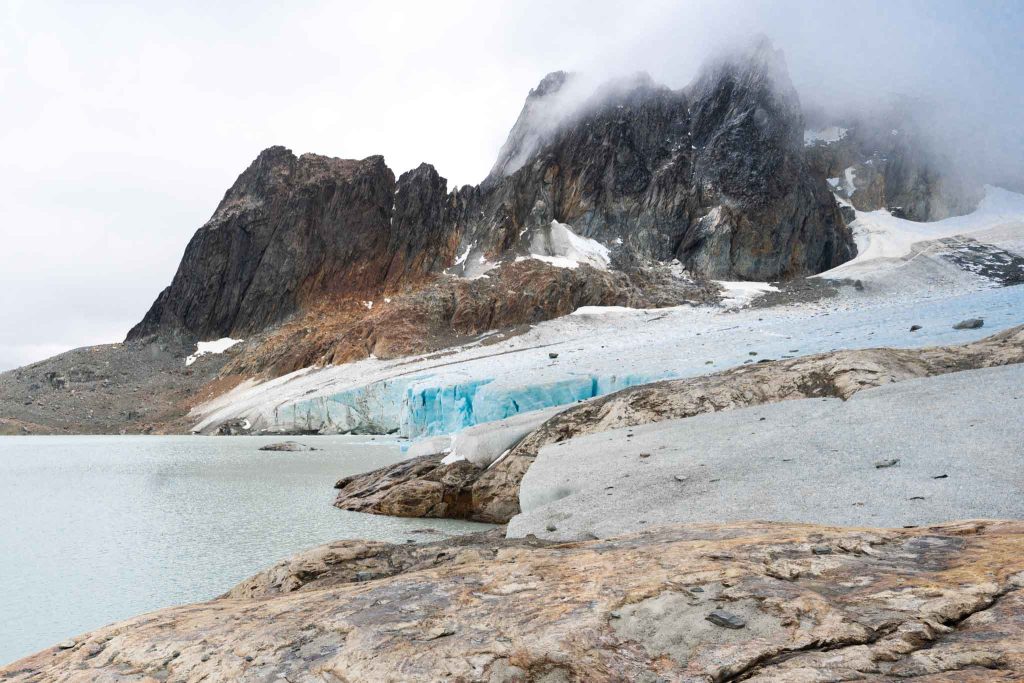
(942, 603)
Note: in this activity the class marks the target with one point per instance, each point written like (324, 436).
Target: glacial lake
(95, 529)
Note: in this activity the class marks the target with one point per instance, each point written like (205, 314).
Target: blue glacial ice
(427, 405)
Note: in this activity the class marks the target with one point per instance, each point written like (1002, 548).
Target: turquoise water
(94, 529)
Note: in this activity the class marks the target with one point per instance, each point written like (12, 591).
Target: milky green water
(94, 529)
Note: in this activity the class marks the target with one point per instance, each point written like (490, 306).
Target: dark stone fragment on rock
(725, 619)
(889, 462)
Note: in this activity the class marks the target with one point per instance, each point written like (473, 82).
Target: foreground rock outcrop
(492, 494)
(910, 453)
(943, 603)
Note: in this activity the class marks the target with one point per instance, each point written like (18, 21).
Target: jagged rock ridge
(713, 175)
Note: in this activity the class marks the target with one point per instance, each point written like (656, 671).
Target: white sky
(121, 125)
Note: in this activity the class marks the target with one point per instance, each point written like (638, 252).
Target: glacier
(595, 354)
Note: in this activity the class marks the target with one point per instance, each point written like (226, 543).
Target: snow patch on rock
(215, 346)
(559, 246)
(740, 294)
(880, 235)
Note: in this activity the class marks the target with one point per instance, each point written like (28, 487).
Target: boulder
(969, 324)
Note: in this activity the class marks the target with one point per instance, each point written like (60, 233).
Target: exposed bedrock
(801, 602)
(492, 494)
(292, 229)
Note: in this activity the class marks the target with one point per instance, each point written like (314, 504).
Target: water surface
(94, 529)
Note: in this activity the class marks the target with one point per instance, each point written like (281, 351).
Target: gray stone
(725, 619)
(287, 446)
(969, 324)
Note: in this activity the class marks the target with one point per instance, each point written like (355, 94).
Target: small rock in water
(915, 328)
(287, 446)
(552, 355)
(940, 476)
(726, 619)
(969, 324)
(886, 463)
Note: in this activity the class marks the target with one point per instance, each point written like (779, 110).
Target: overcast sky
(122, 124)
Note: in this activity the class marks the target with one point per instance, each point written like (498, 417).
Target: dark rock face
(421, 236)
(713, 175)
(768, 217)
(288, 229)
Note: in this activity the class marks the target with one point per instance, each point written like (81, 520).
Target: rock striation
(798, 603)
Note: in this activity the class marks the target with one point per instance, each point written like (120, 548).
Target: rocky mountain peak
(551, 83)
(713, 175)
(289, 229)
